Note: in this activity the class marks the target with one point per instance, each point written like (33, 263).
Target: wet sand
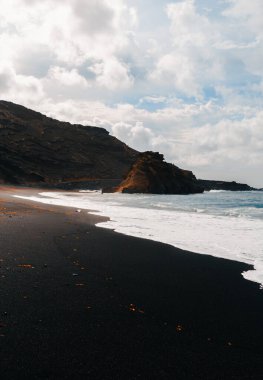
(82, 302)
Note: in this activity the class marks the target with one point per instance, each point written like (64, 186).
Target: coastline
(207, 225)
(78, 301)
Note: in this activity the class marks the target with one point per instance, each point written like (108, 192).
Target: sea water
(219, 223)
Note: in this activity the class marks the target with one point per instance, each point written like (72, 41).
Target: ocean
(219, 223)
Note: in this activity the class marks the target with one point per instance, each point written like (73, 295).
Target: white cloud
(137, 135)
(192, 63)
(206, 52)
(153, 99)
(112, 74)
(249, 13)
(20, 88)
(66, 77)
(94, 16)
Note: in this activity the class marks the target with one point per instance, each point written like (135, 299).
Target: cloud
(137, 135)
(112, 74)
(153, 99)
(66, 77)
(207, 52)
(193, 55)
(23, 89)
(249, 13)
(5, 78)
(94, 16)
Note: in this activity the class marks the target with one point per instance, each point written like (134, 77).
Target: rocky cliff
(151, 174)
(35, 149)
(223, 185)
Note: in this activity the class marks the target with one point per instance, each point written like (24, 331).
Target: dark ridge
(224, 185)
(38, 150)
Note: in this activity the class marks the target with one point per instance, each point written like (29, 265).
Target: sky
(184, 78)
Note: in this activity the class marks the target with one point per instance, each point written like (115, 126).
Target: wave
(217, 191)
(206, 230)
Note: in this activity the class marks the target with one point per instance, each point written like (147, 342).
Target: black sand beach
(82, 302)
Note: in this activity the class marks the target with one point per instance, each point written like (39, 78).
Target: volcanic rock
(224, 185)
(38, 150)
(151, 174)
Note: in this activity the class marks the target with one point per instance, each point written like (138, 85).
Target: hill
(35, 149)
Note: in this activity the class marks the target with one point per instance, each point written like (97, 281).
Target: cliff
(151, 174)
(223, 185)
(38, 150)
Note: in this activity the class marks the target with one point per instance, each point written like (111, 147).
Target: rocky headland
(224, 185)
(151, 174)
(36, 150)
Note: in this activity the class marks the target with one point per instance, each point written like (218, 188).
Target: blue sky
(181, 77)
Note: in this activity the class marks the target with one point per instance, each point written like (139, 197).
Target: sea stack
(151, 174)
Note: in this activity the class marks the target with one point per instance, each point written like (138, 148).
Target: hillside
(35, 149)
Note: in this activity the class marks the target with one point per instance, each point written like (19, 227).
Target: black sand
(82, 302)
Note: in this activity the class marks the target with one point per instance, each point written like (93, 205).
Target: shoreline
(80, 301)
(211, 247)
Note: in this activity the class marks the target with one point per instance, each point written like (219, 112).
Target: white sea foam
(216, 191)
(196, 223)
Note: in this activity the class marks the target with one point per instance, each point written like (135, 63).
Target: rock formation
(38, 150)
(151, 174)
(223, 185)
